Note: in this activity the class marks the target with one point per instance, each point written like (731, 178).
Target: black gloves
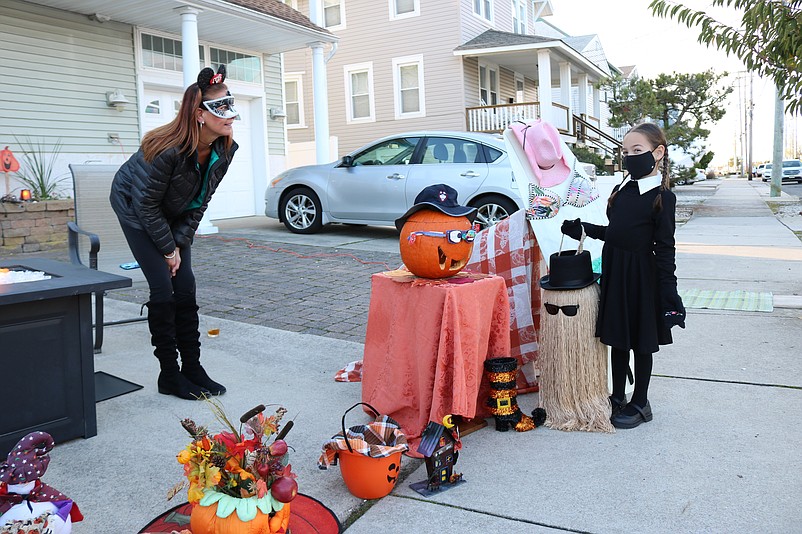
(673, 309)
(572, 229)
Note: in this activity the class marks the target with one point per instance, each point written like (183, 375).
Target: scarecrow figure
(436, 233)
(26, 503)
(573, 362)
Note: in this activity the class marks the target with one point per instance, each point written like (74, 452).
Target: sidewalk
(722, 454)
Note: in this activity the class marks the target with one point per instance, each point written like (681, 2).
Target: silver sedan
(377, 183)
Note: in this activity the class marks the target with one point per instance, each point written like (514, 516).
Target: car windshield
(393, 152)
(792, 163)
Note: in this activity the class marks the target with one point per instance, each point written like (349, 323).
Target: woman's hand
(174, 262)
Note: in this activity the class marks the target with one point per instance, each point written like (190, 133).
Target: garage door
(234, 197)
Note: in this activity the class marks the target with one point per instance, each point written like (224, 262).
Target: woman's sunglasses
(453, 236)
(569, 310)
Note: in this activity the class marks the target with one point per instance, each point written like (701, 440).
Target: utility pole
(777, 155)
(751, 109)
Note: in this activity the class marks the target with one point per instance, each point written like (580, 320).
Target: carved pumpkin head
(436, 245)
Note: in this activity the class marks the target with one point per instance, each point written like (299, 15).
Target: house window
(163, 53)
(293, 100)
(519, 89)
(519, 16)
(334, 14)
(488, 85)
(408, 85)
(239, 66)
(359, 92)
(483, 8)
(400, 9)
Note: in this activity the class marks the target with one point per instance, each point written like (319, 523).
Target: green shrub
(585, 155)
(36, 168)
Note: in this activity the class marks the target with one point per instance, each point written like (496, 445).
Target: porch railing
(494, 119)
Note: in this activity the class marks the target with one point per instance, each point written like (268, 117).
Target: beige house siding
(39, 66)
(370, 36)
(271, 68)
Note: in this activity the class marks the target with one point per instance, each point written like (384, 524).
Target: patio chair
(95, 225)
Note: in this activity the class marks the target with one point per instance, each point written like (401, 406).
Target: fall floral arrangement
(243, 470)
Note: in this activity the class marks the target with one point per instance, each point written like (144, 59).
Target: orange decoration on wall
(434, 256)
(8, 163)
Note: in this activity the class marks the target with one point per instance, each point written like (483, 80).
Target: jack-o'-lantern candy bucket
(436, 233)
(370, 470)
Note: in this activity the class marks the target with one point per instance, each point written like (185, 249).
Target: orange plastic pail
(367, 477)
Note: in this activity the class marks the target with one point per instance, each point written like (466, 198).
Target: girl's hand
(572, 229)
(174, 263)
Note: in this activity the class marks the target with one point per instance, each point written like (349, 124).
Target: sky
(631, 35)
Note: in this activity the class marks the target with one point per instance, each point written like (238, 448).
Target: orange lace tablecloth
(426, 344)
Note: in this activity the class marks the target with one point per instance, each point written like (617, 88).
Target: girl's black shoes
(617, 405)
(632, 415)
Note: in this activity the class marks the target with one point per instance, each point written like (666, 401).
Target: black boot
(187, 330)
(503, 401)
(161, 320)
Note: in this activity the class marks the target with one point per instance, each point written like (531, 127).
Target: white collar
(644, 184)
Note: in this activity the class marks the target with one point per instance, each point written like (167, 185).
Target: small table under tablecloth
(426, 344)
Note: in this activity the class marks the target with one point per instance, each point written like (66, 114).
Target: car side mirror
(348, 161)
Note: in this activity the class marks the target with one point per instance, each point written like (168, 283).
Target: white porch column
(320, 103)
(565, 97)
(544, 85)
(192, 66)
(583, 95)
(597, 103)
(320, 89)
(189, 43)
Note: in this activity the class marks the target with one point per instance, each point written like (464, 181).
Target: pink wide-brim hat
(541, 144)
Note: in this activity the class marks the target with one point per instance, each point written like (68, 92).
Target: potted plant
(36, 170)
(240, 480)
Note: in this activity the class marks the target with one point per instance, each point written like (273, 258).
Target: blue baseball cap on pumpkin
(440, 197)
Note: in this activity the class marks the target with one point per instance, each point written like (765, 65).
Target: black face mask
(640, 165)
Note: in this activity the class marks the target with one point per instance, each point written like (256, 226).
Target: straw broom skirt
(573, 374)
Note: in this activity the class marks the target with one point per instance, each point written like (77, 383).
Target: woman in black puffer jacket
(159, 196)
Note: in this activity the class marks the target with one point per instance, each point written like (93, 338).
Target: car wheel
(301, 211)
(492, 209)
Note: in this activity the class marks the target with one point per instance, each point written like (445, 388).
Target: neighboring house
(66, 61)
(472, 65)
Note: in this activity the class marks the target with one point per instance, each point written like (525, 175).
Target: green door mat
(727, 300)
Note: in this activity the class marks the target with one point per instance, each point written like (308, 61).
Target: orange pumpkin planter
(204, 520)
(430, 256)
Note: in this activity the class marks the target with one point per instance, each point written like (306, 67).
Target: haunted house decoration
(440, 445)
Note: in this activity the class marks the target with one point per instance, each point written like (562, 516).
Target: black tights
(163, 287)
(643, 372)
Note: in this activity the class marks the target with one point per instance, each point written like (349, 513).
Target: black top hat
(440, 197)
(569, 270)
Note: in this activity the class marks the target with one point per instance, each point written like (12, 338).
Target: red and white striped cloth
(509, 249)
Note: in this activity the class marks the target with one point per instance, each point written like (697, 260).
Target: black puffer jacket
(154, 196)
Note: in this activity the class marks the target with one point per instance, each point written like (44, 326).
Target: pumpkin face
(433, 256)
(8, 163)
(204, 520)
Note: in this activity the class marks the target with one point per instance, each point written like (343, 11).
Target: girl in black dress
(639, 302)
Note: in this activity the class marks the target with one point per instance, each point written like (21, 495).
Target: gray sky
(630, 35)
